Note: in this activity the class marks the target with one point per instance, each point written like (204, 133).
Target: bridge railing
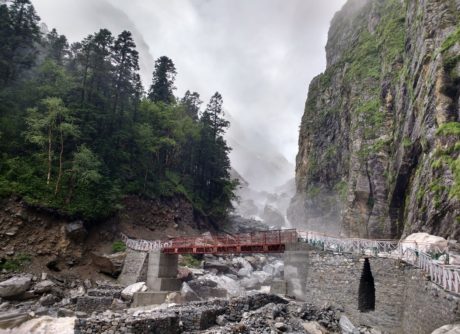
(272, 237)
(446, 276)
(348, 245)
(209, 242)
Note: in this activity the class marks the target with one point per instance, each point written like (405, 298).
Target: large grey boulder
(15, 286)
(448, 329)
(110, 264)
(187, 293)
(44, 286)
(206, 288)
(130, 290)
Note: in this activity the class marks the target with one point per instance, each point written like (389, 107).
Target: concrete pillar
(295, 271)
(161, 279)
(162, 272)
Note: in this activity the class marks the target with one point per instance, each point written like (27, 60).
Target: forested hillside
(79, 132)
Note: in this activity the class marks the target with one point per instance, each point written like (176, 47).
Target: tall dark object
(366, 299)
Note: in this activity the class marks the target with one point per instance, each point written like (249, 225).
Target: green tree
(49, 128)
(18, 38)
(162, 88)
(192, 103)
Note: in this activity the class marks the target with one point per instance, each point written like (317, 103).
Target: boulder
(184, 274)
(250, 283)
(15, 286)
(76, 231)
(174, 297)
(313, 327)
(232, 287)
(425, 242)
(110, 264)
(47, 300)
(346, 325)
(448, 329)
(187, 293)
(220, 267)
(245, 267)
(44, 287)
(130, 290)
(206, 288)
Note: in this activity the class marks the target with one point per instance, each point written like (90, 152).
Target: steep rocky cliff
(379, 140)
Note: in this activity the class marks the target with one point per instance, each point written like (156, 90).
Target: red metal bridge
(255, 242)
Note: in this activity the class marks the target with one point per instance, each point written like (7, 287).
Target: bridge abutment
(405, 300)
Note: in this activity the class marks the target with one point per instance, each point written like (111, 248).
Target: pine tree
(191, 102)
(57, 47)
(18, 38)
(126, 63)
(162, 87)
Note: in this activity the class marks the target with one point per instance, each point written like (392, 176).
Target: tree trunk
(56, 190)
(48, 178)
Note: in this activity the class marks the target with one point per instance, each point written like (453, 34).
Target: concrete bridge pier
(161, 279)
(295, 271)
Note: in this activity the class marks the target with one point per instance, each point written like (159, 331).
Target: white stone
(130, 290)
(44, 286)
(346, 326)
(15, 286)
(425, 242)
(448, 329)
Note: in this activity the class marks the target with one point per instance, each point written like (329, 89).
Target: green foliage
(77, 133)
(342, 189)
(313, 191)
(406, 142)
(16, 263)
(190, 261)
(450, 40)
(449, 129)
(118, 246)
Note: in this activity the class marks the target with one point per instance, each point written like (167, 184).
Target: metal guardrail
(145, 245)
(444, 275)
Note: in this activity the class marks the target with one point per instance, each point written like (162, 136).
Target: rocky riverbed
(228, 294)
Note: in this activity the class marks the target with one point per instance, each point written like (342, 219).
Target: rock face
(379, 139)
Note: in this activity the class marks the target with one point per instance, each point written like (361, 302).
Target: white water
(44, 325)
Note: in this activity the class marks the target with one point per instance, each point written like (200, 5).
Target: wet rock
(188, 294)
(346, 325)
(44, 287)
(206, 288)
(15, 286)
(47, 300)
(110, 264)
(130, 290)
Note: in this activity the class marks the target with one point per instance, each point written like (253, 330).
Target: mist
(259, 54)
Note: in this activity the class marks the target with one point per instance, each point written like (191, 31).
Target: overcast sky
(259, 54)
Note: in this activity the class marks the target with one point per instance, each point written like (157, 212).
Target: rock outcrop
(380, 137)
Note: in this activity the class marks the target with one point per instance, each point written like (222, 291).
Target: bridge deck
(255, 242)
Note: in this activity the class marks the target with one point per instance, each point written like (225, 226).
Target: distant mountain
(256, 158)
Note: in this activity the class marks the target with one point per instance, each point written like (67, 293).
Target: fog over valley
(260, 55)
